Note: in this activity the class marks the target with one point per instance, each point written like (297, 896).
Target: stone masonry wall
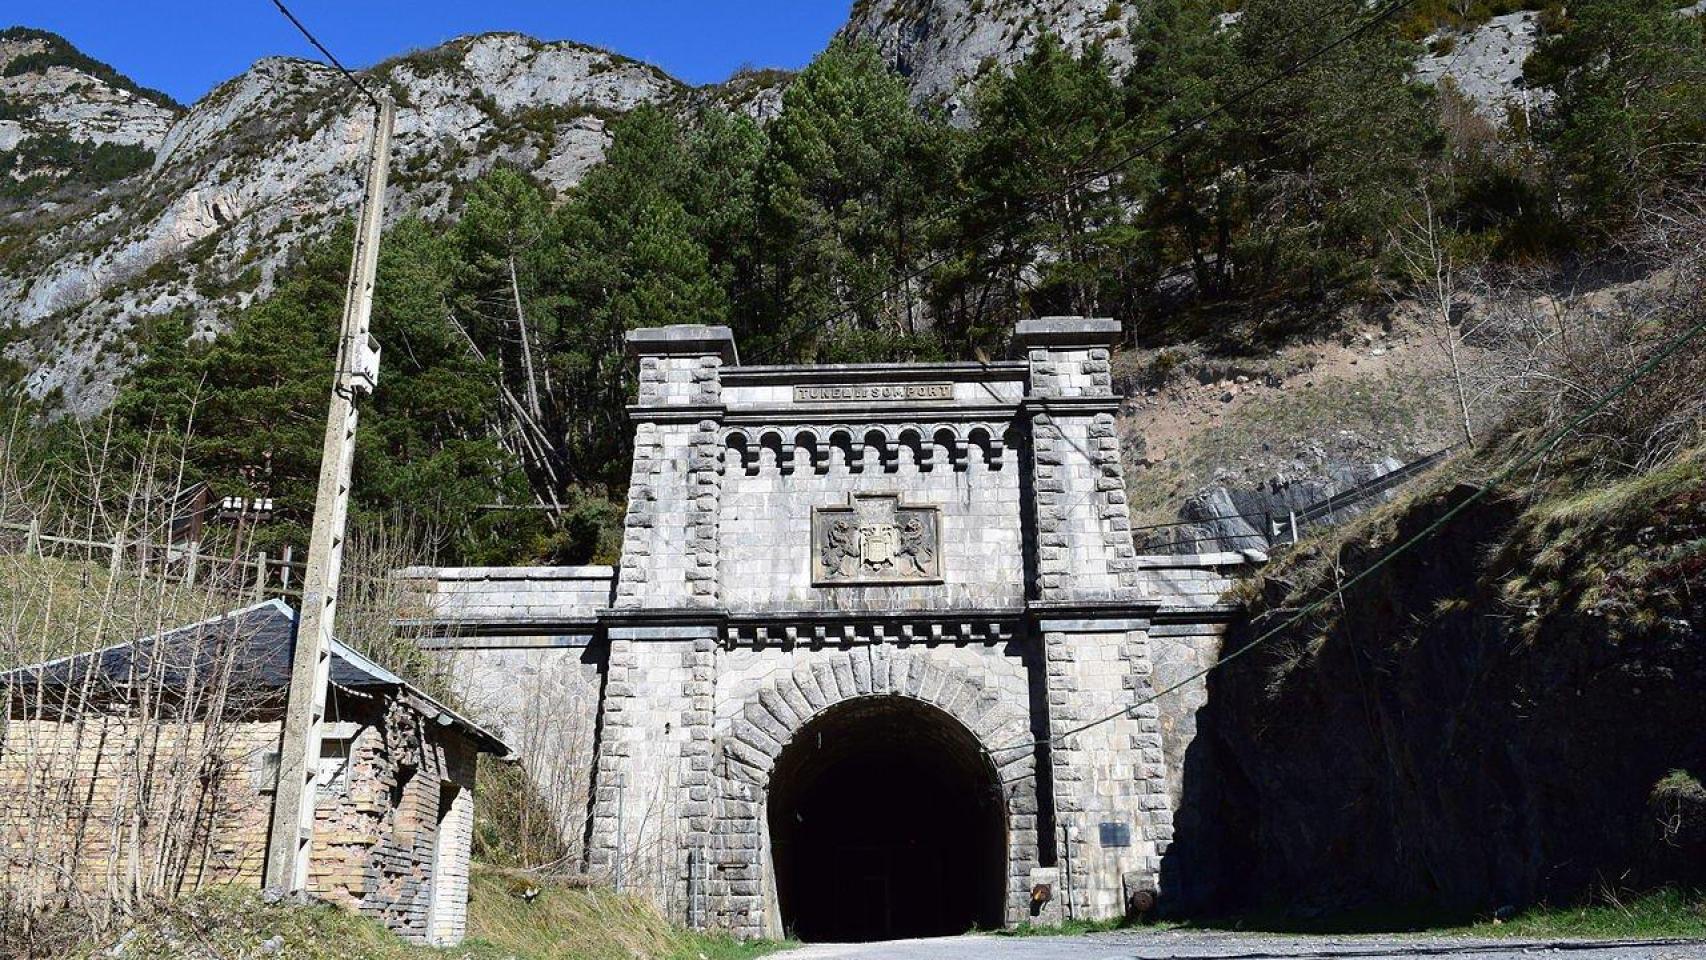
(1109, 773)
(651, 777)
(766, 559)
(721, 645)
(376, 841)
(540, 698)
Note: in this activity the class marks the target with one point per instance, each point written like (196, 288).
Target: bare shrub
(1557, 353)
(130, 779)
(111, 771)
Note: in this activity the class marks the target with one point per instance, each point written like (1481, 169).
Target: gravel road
(1192, 945)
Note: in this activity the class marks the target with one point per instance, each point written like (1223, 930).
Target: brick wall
(72, 793)
(69, 799)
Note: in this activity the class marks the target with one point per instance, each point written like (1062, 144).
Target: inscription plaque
(855, 392)
(875, 540)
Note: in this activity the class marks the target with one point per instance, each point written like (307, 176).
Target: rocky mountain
(943, 46)
(117, 204)
(48, 89)
(267, 161)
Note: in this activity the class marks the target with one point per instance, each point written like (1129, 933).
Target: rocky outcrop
(44, 97)
(1475, 726)
(1484, 65)
(942, 46)
(272, 159)
(1230, 518)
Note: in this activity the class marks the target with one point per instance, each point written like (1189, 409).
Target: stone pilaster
(653, 800)
(1110, 785)
(669, 560)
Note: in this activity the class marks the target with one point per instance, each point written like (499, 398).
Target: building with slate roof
(151, 766)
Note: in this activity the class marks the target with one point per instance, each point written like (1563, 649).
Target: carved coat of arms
(875, 540)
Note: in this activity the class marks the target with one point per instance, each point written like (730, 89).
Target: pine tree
(847, 189)
(1630, 116)
(1048, 221)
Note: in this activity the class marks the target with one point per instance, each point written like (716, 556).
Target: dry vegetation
(558, 922)
(86, 564)
(1612, 517)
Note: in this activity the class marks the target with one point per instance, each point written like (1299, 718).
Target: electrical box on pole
(357, 373)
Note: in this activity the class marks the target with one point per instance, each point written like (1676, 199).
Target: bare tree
(1442, 287)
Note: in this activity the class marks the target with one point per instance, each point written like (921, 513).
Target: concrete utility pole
(356, 374)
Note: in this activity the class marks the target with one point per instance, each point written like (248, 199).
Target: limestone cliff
(942, 46)
(198, 209)
(271, 159)
(48, 89)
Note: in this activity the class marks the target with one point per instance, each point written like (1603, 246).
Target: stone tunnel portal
(886, 821)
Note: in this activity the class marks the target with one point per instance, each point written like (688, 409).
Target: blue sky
(185, 47)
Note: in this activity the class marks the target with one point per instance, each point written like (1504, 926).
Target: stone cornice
(877, 411)
(675, 413)
(1090, 609)
(1066, 332)
(683, 340)
(1213, 613)
(887, 372)
(1070, 406)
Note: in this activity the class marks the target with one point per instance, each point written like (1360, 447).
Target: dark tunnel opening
(886, 821)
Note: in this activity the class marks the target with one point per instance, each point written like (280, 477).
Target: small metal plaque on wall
(876, 540)
(1116, 834)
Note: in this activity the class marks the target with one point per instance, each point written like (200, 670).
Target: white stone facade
(982, 574)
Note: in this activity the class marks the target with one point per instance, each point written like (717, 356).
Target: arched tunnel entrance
(886, 821)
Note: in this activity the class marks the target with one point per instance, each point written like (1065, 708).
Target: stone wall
(1109, 773)
(540, 695)
(767, 695)
(514, 600)
(68, 799)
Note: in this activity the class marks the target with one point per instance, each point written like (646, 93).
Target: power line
(1546, 446)
(1178, 132)
(327, 53)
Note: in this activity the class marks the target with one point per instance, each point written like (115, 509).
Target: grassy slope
(580, 924)
(560, 924)
(50, 607)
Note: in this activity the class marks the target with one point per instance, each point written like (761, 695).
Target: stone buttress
(1109, 777)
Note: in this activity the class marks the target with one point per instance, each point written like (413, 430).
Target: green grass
(1660, 915)
(561, 923)
(565, 923)
(1069, 928)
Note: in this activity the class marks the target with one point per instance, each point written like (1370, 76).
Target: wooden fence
(265, 575)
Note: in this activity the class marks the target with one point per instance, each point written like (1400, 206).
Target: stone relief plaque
(875, 540)
(860, 392)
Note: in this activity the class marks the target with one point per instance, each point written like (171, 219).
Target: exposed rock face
(1485, 65)
(941, 46)
(71, 102)
(1439, 740)
(274, 158)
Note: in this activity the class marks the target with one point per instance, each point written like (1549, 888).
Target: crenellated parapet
(855, 448)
